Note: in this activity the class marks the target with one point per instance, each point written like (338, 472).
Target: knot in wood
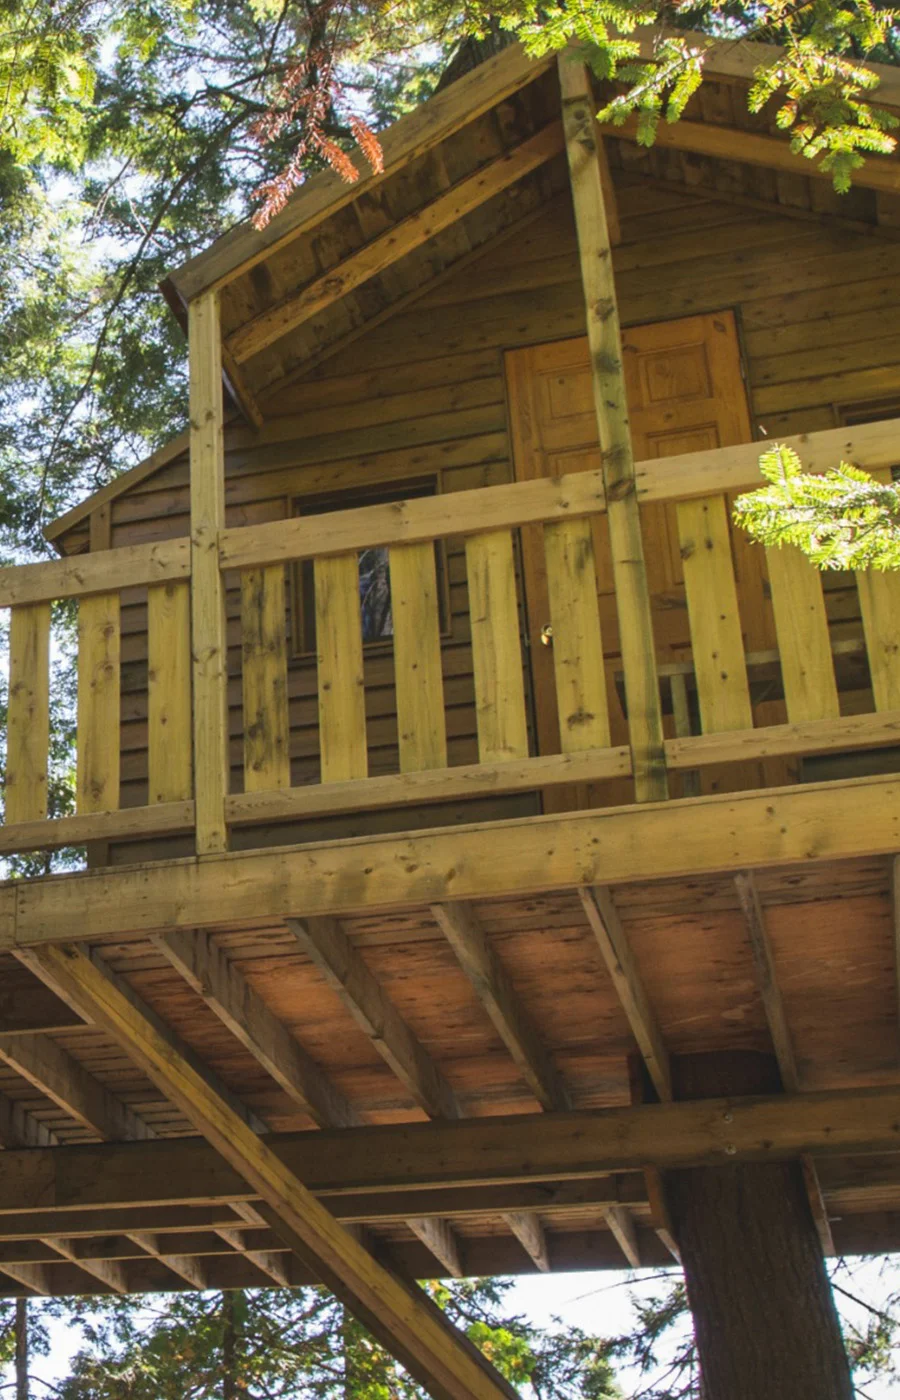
(604, 307)
(607, 362)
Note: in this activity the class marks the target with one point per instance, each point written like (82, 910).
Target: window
(374, 574)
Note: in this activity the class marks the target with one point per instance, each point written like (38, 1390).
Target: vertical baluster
(418, 675)
(99, 647)
(341, 685)
(28, 732)
(879, 602)
(577, 642)
(804, 646)
(716, 640)
(169, 691)
(496, 647)
(267, 756)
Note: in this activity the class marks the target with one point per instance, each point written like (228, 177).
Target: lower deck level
(463, 1041)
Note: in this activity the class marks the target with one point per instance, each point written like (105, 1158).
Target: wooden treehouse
(490, 851)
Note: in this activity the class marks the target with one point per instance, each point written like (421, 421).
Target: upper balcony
(734, 719)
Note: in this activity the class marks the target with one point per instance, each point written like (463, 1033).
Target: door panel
(685, 394)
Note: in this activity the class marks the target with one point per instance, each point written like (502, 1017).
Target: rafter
(752, 148)
(406, 235)
(430, 1349)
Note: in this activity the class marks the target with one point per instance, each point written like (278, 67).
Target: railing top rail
(107, 571)
(484, 508)
(424, 518)
(723, 469)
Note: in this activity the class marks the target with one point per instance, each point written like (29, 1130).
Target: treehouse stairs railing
(714, 684)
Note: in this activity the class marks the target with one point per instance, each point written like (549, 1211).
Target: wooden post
(208, 639)
(604, 337)
(764, 1316)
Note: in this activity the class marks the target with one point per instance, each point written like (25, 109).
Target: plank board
(716, 641)
(576, 640)
(267, 759)
(28, 731)
(421, 721)
(342, 707)
(169, 738)
(804, 644)
(97, 772)
(496, 647)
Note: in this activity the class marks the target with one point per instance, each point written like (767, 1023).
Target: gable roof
(460, 171)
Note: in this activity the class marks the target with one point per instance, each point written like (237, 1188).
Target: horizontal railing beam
(126, 824)
(723, 469)
(107, 571)
(427, 785)
(425, 518)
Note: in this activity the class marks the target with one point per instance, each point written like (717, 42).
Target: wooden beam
(438, 784)
(28, 1007)
(345, 971)
(227, 992)
(108, 1271)
(19, 1128)
(779, 1030)
(83, 1096)
(185, 1266)
(768, 828)
(418, 520)
(429, 1349)
(83, 575)
(208, 637)
(621, 1223)
(757, 933)
(396, 242)
(496, 994)
(530, 1149)
(612, 940)
(752, 148)
(59, 1075)
(324, 194)
(392, 1205)
(608, 382)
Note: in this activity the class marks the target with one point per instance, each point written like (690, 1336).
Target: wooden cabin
(434, 764)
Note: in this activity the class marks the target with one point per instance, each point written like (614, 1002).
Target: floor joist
(426, 1344)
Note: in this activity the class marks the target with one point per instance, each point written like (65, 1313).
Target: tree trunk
(21, 1329)
(764, 1314)
(231, 1382)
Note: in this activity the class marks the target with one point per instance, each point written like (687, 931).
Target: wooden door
(685, 393)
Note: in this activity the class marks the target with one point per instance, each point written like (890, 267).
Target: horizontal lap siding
(424, 392)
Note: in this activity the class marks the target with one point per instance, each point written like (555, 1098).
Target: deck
(526, 983)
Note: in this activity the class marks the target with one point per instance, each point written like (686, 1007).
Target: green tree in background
(283, 1344)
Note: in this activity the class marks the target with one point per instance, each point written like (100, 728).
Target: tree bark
(764, 1314)
(21, 1330)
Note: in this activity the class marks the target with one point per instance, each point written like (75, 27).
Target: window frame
(302, 620)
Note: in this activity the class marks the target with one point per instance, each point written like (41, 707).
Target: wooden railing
(718, 680)
(98, 581)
